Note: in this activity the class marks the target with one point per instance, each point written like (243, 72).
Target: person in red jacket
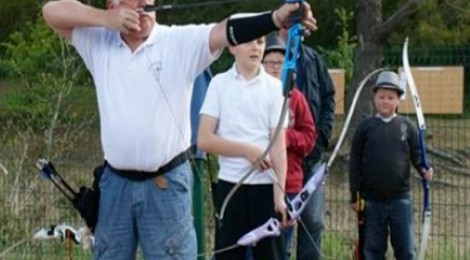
(301, 133)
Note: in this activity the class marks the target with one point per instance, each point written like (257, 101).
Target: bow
(426, 219)
(288, 69)
(298, 204)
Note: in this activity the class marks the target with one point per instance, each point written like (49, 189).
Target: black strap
(142, 176)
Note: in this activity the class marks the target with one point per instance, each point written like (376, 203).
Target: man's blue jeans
(140, 212)
(395, 215)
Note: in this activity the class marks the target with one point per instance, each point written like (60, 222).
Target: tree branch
(396, 20)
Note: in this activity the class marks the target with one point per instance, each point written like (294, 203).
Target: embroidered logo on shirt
(155, 68)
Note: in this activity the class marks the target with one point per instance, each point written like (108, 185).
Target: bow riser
(294, 39)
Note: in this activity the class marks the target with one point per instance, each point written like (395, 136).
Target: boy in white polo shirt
(240, 113)
(143, 73)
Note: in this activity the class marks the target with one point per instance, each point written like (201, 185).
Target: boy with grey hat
(383, 147)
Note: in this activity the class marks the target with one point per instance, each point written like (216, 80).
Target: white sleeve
(88, 42)
(211, 105)
(193, 43)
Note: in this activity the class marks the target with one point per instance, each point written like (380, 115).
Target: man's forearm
(68, 14)
(215, 144)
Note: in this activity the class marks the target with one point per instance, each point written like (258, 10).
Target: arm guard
(243, 28)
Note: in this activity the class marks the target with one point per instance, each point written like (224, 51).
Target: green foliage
(48, 68)
(38, 48)
(438, 23)
(342, 56)
(14, 15)
(22, 104)
(34, 108)
(327, 21)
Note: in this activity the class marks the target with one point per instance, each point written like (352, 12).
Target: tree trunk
(372, 34)
(368, 56)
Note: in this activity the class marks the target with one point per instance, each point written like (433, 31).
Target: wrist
(104, 18)
(279, 202)
(276, 19)
(278, 194)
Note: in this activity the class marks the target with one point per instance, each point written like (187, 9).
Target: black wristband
(243, 28)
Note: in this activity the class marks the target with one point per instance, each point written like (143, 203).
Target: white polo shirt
(247, 111)
(144, 96)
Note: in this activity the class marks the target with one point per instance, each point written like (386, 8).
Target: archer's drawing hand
(123, 20)
(286, 15)
(253, 154)
(427, 175)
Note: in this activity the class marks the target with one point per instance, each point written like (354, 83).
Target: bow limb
(270, 228)
(299, 202)
(426, 218)
(349, 116)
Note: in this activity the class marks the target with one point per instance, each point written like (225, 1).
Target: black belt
(142, 176)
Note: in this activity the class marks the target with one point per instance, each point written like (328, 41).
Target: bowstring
(187, 151)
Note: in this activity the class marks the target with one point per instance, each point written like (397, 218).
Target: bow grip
(272, 227)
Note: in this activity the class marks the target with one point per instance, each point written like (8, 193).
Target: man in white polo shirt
(143, 74)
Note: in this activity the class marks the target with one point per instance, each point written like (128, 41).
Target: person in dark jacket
(383, 148)
(314, 81)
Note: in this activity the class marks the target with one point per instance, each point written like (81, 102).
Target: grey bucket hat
(388, 80)
(274, 43)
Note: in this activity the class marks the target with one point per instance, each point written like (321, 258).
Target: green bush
(48, 69)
